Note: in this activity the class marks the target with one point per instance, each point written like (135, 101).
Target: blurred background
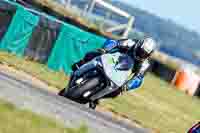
(174, 24)
(168, 101)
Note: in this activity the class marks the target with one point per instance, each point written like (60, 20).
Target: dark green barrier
(40, 35)
(7, 11)
(43, 39)
(19, 32)
(71, 46)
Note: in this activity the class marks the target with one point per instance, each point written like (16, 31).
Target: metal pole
(91, 6)
(85, 9)
(129, 28)
(108, 15)
(68, 3)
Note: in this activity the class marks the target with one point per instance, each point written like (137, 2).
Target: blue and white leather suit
(137, 80)
(115, 45)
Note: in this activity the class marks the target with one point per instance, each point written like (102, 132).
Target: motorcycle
(105, 76)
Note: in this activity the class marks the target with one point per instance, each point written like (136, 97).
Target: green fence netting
(19, 32)
(39, 35)
(7, 11)
(43, 39)
(71, 46)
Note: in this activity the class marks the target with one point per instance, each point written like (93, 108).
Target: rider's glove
(136, 82)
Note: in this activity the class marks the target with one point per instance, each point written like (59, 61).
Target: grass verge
(157, 105)
(40, 71)
(13, 120)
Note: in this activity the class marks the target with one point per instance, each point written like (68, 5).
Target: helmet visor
(142, 54)
(146, 49)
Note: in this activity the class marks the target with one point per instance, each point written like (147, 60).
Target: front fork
(93, 104)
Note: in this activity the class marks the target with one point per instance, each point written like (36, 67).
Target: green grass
(13, 120)
(157, 105)
(40, 71)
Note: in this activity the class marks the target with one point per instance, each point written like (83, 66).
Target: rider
(139, 50)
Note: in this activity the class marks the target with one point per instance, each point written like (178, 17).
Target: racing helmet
(145, 48)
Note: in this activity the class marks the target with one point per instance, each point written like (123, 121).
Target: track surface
(24, 95)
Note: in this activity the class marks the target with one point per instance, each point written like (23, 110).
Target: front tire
(75, 93)
(62, 92)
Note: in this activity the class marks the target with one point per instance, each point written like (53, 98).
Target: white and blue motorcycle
(100, 78)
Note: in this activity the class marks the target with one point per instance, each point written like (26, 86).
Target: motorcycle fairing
(117, 67)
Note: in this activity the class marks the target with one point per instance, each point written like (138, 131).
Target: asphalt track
(26, 96)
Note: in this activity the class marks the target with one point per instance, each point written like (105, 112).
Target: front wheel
(62, 92)
(76, 93)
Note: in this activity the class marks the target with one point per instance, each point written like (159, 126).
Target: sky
(184, 12)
